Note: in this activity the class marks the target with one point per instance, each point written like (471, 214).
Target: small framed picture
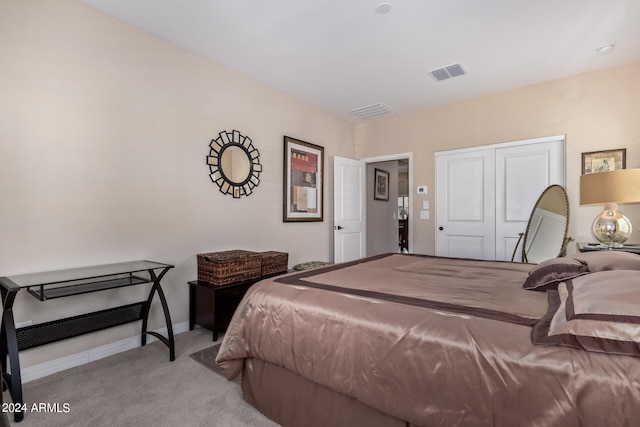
(604, 161)
(381, 185)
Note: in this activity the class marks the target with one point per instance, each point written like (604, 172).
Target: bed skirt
(291, 400)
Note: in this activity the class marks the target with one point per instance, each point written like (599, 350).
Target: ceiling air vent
(444, 73)
(371, 111)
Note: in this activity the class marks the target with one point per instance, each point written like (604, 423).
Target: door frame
(400, 156)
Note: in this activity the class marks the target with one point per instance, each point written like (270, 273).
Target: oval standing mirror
(546, 233)
(234, 164)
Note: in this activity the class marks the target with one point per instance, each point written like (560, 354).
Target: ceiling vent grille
(371, 111)
(448, 72)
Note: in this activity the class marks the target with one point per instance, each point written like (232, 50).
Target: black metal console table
(63, 283)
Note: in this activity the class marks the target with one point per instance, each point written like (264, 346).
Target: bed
(396, 340)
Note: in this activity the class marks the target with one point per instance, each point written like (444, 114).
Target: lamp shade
(619, 186)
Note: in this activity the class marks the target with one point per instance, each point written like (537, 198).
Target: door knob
(339, 227)
(440, 228)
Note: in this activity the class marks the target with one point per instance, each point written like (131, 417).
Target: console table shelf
(61, 329)
(43, 294)
(66, 283)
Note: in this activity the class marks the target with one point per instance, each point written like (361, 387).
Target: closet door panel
(466, 205)
(522, 174)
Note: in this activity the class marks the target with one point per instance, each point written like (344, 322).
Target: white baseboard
(56, 365)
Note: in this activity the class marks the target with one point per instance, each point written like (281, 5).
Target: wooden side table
(212, 306)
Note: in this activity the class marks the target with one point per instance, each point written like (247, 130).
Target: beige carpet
(140, 387)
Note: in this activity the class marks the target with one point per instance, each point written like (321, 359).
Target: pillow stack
(594, 302)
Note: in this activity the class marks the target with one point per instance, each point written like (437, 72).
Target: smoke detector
(383, 8)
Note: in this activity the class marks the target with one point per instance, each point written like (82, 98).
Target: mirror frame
(219, 145)
(524, 236)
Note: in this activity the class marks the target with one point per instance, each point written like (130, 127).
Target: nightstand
(594, 247)
(212, 306)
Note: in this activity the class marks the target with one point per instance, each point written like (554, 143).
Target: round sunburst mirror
(234, 164)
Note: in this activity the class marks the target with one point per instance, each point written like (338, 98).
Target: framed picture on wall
(604, 161)
(303, 181)
(381, 185)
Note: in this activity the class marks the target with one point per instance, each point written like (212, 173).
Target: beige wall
(104, 135)
(596, 111)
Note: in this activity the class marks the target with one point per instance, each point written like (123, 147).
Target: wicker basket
(221, 268)
(274, 262)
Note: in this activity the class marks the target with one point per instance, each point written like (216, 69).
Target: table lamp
(610, 228)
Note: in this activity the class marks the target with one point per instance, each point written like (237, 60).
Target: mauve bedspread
(433, 341)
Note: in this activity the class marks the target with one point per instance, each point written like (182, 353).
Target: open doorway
(388, 222)
(403, 206)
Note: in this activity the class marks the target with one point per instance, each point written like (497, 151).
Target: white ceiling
(341, 55)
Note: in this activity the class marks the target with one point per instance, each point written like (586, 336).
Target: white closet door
(484, 196)
(522, 174)
(465, 203)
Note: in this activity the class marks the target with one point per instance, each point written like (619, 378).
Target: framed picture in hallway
(381, 185)
(303, 181)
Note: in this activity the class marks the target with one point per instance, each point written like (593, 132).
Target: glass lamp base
(611, 228)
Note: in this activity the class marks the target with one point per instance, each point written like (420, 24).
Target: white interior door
(349, 209)
(465, 204)
(522, 174)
